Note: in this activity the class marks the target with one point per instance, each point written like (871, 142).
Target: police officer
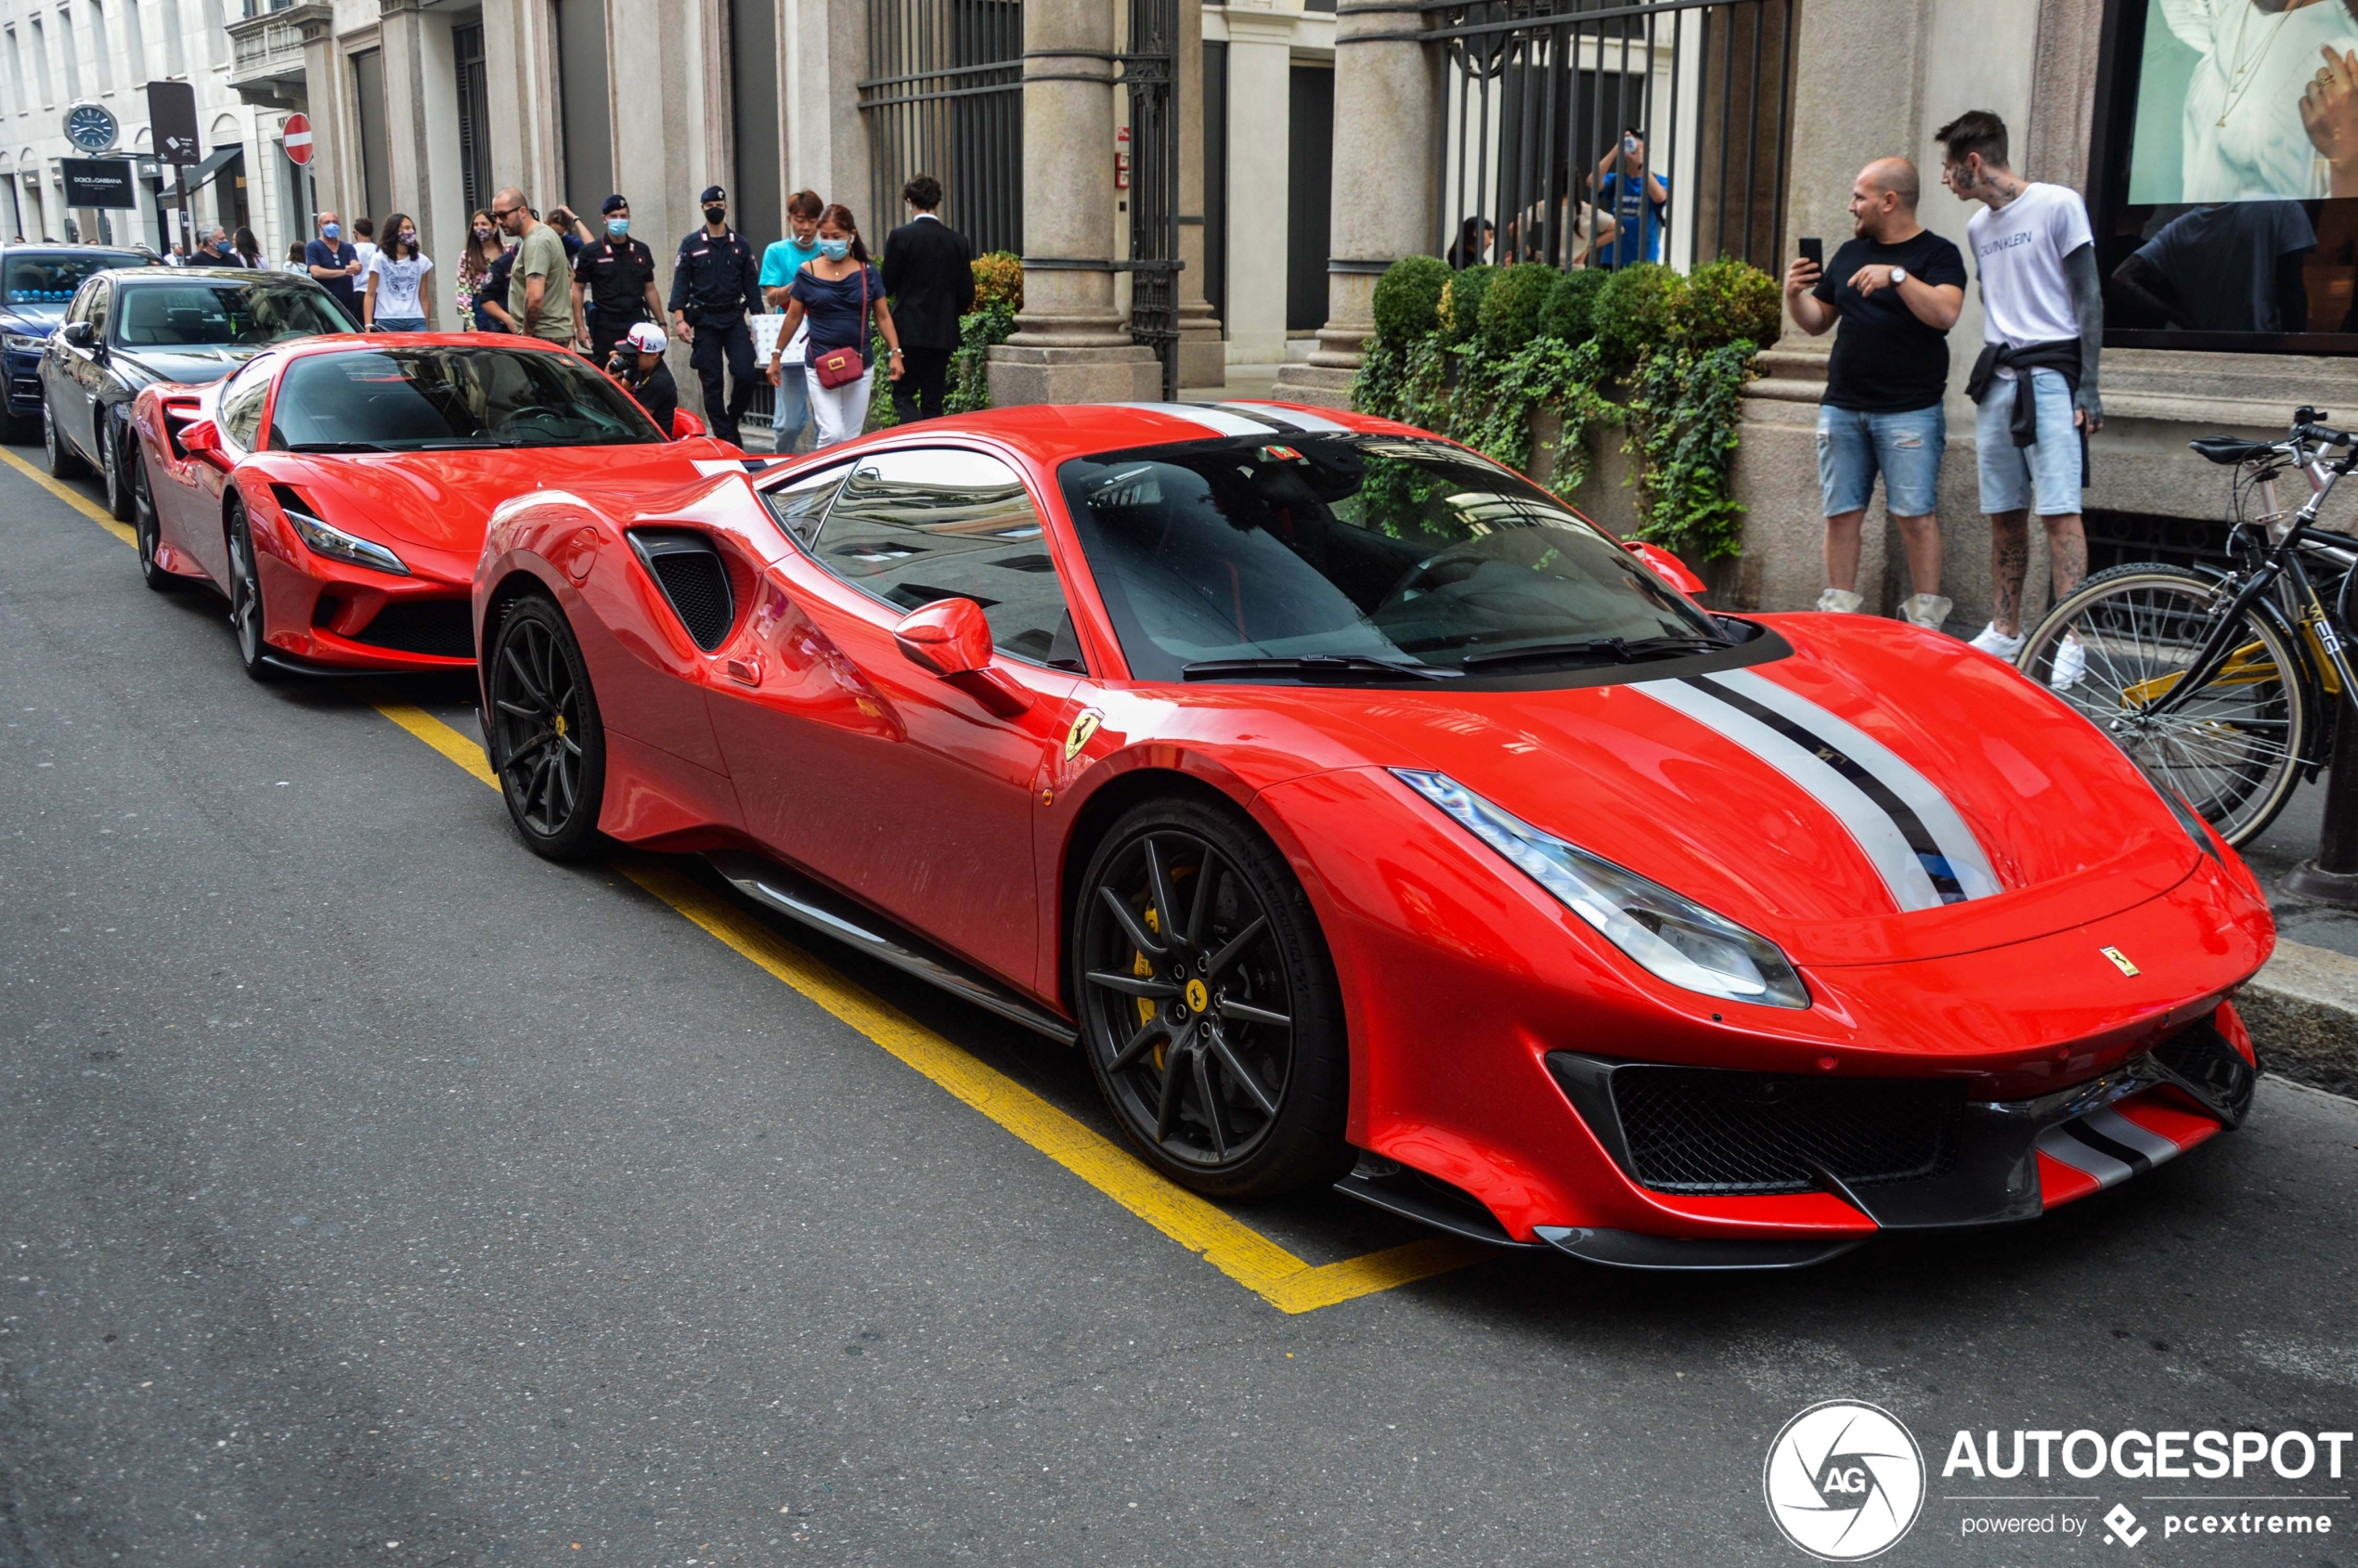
(619, 274)
(716, 279)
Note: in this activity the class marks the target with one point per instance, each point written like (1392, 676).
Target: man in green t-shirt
(540, 289)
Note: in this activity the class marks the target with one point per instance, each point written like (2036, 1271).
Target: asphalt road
(370, 1190)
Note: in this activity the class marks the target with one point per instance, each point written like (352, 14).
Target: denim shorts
(401, 323)
(1905, 449)
(2043, 477)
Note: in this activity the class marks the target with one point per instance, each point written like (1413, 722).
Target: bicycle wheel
(2232, 749)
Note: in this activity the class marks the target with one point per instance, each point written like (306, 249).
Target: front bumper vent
(442, 628)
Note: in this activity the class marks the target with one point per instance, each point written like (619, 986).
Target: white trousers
(839, 410)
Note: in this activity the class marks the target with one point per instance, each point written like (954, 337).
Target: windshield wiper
(1314, 663)
(336, 446)
(465, 443)
(1617, 649)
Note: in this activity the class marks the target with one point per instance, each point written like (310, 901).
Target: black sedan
(130, 329)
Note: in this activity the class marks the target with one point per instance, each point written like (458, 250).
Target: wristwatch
(1899, 276)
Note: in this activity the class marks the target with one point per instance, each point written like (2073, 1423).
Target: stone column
(1388, 107)
(409, 164)
(1203, 354)
(1261, 75)
(1069, 345)
(333, 139)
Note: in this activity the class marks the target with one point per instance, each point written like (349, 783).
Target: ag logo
(1844, 1481)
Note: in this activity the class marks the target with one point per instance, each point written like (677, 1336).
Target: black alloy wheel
(548, 743)
(63, 461)
(1207, 1003)
(245, 598)
(143, 528)
(117, 487)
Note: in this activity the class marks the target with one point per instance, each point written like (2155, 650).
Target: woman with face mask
(839, 293)
(397, 298)
(481, 250)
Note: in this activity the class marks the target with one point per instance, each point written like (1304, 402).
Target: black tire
(2233, 750)
(1217, 1037)
(64, 462)
(143, 527)
(548, 744)
(110, 471)
(245, 599)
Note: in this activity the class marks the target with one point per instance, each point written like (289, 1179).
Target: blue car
(36, 284)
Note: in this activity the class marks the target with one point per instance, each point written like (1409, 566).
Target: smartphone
(1813, 251)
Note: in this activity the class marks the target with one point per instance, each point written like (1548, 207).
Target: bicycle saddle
(2228, 450)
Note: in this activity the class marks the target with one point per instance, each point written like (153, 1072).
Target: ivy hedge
(1474, 353)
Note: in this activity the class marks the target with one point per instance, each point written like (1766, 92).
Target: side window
(101, 306)
(915, 526)
(78, 309)
(239, 410)
(799, 506)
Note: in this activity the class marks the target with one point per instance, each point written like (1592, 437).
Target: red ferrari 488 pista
(1362, 812)
(336, 489)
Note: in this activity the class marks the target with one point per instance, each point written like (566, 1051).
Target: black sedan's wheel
(64, 462)
(245, 599)
(1208, 1002)
(118, 484)
(548, 744)
(143, 525)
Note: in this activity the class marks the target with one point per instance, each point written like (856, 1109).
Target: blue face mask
(331, 232)
(617, 226)
(835, 250)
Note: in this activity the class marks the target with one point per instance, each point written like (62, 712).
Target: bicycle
(2221, 685)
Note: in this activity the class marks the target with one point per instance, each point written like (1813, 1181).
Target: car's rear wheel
(1208, 1002)
(64, 462)
(143, 528)
(117, 487)
(547, 742)
(245, 599)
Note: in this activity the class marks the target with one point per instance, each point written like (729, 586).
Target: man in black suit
(928, 273)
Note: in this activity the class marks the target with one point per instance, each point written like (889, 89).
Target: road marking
(1237, 1249)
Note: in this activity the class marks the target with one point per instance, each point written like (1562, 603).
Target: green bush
(1570, 313)
(1637, 309)
(998, 279)
(1510, 307)
(1460, 309)
(1408, 297)
(1728, 299)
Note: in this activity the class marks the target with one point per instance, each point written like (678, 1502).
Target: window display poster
(2239, 100)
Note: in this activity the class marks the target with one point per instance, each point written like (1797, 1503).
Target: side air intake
(693, 578)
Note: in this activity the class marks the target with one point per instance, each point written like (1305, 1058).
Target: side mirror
(75, 332)
(685, 424)
(1667, 566)
(200, 439)
(948, 637)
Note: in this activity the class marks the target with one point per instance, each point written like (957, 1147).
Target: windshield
(223, 315)
(1340, 546)
(47, 283)
(407, 399)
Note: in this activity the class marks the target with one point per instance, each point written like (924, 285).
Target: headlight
(337, 545)
(25, 342)
(1672, 937)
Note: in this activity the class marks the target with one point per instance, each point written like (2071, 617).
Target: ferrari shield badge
(2120, 961)
(1083, 727)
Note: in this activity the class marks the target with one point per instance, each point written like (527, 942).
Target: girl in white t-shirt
(397, 297)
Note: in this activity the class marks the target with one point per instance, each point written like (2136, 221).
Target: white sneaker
(1992, 640)
(1839, 601)
(2071, 665)
(1927, 610)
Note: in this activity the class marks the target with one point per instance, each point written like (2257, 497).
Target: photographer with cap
(715, 280)
(617, 274)
(637, 363)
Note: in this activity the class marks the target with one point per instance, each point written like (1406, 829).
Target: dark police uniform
(715, 283)
(616, 274)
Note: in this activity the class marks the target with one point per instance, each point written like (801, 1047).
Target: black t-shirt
(1886, 361)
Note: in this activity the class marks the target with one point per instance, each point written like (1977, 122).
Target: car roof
(1051, 433)
(339, 343)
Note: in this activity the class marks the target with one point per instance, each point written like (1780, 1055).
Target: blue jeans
(401, 323)
(2043, 477)
(1905, 448)
(793, 407)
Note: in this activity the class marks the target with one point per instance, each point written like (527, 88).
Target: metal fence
(944, 96)
(1543, 95)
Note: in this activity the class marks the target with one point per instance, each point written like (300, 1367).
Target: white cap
(647, 338)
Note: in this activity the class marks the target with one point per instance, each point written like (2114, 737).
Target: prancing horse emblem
(1083, 727)
(2120, 961)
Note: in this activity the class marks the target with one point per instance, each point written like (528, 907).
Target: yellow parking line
(1233, 1248)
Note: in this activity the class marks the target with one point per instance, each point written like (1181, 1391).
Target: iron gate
(1150, 69)
(944, 96)
(1542, 92)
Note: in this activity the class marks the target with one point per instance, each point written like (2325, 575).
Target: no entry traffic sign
(296, 136)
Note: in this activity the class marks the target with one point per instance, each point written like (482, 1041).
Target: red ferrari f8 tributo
(1365, 815)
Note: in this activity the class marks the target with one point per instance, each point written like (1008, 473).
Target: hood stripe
(1287, 419)
(1954, 841)
(1878, 835)
(1218, 420)
(2063, 1144)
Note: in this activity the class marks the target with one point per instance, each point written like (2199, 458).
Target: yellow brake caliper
(1146, 971)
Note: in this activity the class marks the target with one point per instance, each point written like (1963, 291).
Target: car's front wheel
(245, 599)
(1208, 1002)
(547, 742)
(111, 471)
(64, 462)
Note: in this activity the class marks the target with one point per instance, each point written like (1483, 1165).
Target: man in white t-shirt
(2042, 325)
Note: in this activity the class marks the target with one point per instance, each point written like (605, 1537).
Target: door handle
(745, 672)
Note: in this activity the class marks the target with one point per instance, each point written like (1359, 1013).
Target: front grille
(692, 578)
(2201, 1055)
(1701, 1130)
(441, 627)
